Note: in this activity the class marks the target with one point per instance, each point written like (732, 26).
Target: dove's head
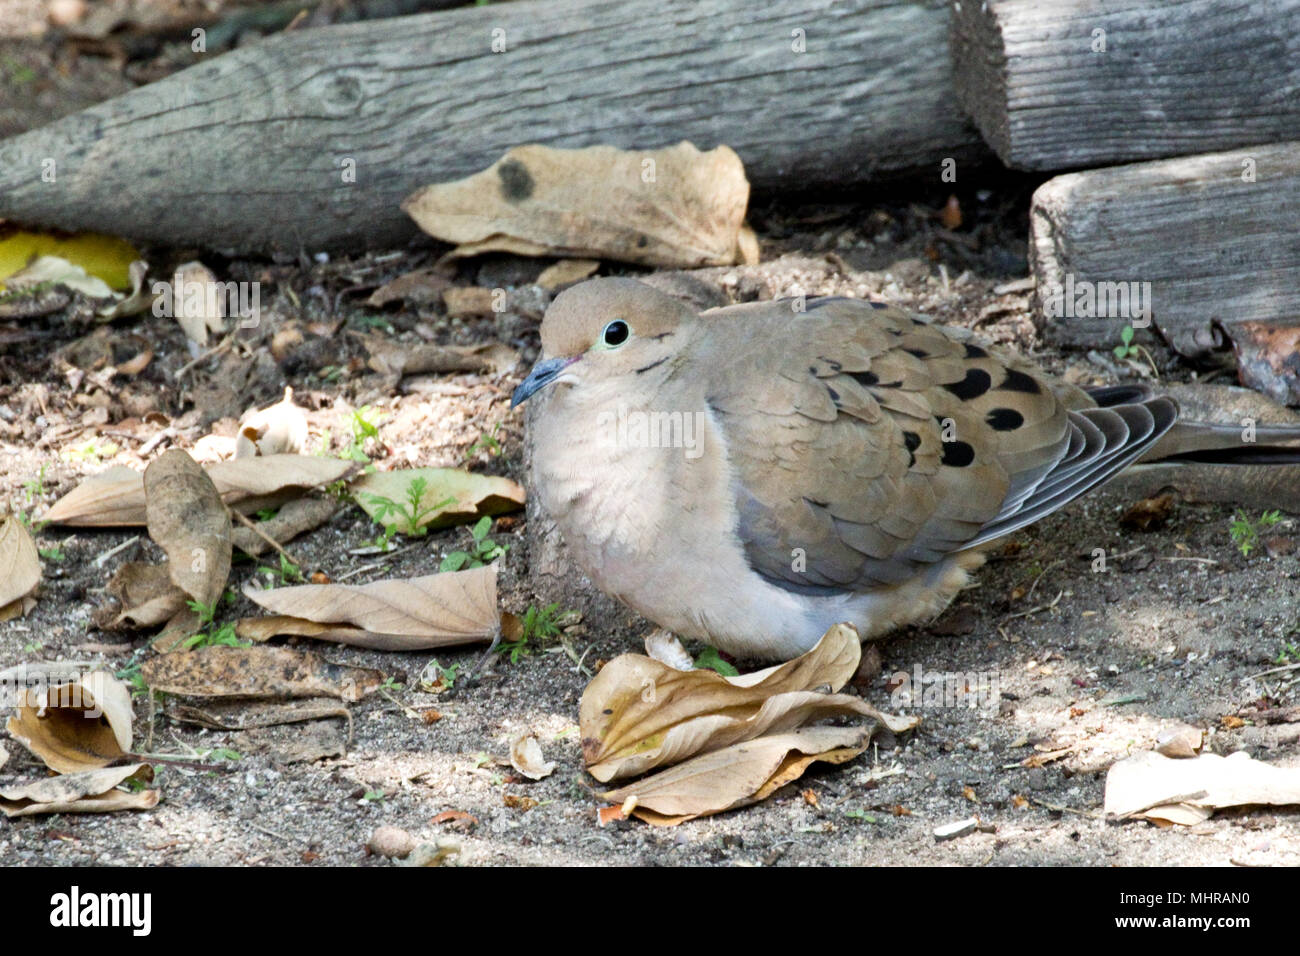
(605, 329)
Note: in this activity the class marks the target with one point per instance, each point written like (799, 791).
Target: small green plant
(436, 677)
(266, 514)
(486, 442)
(482, 551)
(1289, 654)
(710, 659)
(1245, 532)
(35, 487)
(862, 815)
(373, 796)
(391, 685)
(31, 647)
(287, 573)
(1126, 349)
(222, 753)
(208, 635)
(537, 626)
(364, 423)
(55, 554)
(408, 513)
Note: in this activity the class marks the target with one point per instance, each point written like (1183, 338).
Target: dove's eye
(615, 334)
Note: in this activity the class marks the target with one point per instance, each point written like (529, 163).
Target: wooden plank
(1075, 83)
(246, 153)
(1214, 237)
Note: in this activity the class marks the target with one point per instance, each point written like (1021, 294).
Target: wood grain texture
(1177, 77)
(244, 153)
(1214, 247)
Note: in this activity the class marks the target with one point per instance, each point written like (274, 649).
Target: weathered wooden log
(1209, 244)
(256, 150)
(1075, 83)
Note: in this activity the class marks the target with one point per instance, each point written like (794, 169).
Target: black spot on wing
(1019, 382)
(957, 454)
(1004, 419)
(912, 441)
(974, 352)
(865, 378)
(919, 353)
(646, 368)
(975, 384)
(516, 181)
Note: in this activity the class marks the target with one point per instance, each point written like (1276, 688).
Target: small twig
(252, 526)
(99, 561)
(222, 346)
(1030, 592)
(1034, 610)
(1060, 808)
(174, 761)
(1193, 560)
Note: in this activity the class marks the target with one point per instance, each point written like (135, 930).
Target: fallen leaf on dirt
(738, 775)
(516, 802)
(244, 715)
(394, 360)
(276, 673)
(279, 429)
(415, 498)
(140, 300)
(115, 498)
(20, 566)
(465, 302)
(105, 257)
(638, 713)
(292, 519)
(422, 287)
(86, 791)
(526, 757)
(54, 271)
(459, 819)
(566, 272)
(197, 301)
(187, 519)
(1152, 786)
(77, 725)
(675, 207)
(1149, 514)
(1181, 742)
(144, 596)
(404, 614)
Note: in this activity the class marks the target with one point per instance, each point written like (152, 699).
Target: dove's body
(756, 474)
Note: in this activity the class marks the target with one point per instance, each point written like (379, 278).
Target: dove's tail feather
(1208, 443)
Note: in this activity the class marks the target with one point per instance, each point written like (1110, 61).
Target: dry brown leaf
(115, 498)
(395, 360)
(86, 791)
(78, 725)
(242, 714)
(186, 518)
(1187, 791)
(422, 287)
(144, 596)
(198, 303)
(20, 565)
(566, 272)
(397, 614)
(526, 757)
(275, 673)
(450, 496)
(738, 775)
(639, 713)
(675, 207)
(279, 429)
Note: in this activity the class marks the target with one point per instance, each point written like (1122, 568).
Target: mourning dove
(755, 474)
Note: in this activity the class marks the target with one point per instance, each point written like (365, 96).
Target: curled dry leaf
(399, 614)
(197, 300)
(77, 725)
(639, 713)
(738, 775)
(85, 791)
(275, 673)
(674, 207)
(115, 498)
(447, 496)
(394, 361)
(566, 272)
(144, 596)
(526, 757)
(20, 565)
(279, 429)
(186, 518)
(57, 271)
(1153, 786)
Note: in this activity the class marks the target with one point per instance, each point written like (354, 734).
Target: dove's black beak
(543, 373)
